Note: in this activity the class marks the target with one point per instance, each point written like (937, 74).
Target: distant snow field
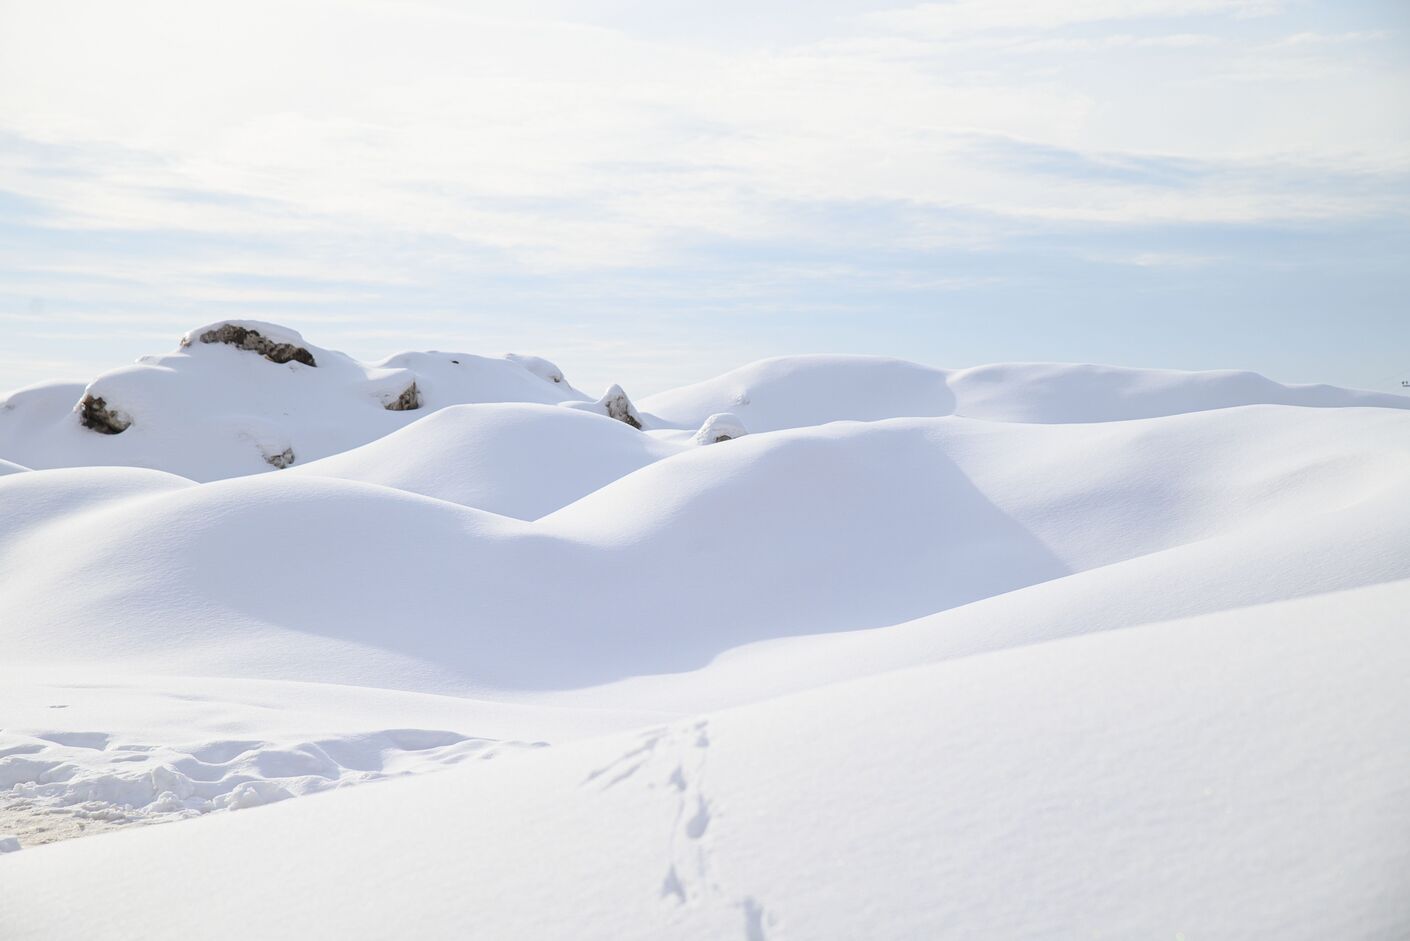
(824, 647)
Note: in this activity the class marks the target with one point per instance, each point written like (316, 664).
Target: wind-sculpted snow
(1014, 651)
(795, 391)
(671, 565)
(1169, 780)
(221, 408)
(517, 460)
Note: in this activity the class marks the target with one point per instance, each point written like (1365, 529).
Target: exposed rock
(283, 459)
(722, 426)
(618, 406)
(94, 413)
(409, 400)
(246, 339)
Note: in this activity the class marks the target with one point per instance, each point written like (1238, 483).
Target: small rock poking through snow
(283, 459)
(408, 401)
(94, 413)
(616, 404)
(722, 426)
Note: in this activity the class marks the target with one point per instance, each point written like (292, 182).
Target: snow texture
(1024, 650)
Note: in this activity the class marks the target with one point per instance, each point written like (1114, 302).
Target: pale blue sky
(651, 193)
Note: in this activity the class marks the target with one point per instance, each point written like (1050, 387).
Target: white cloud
(401, 145)
(960, 17)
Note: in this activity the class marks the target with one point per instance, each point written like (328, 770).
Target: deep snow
(1016, 651)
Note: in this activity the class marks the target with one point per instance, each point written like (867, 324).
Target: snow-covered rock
(253, 397)
(614, 404)
(722, 426)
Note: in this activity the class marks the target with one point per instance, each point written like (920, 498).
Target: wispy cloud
(519, 177)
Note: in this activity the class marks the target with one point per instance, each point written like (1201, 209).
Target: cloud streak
(519, 177)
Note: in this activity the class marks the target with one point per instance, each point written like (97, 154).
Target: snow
(721, 426)
(1171, 779)
(795, 391)
(212, 410)
(1015, 651)
(517, 460)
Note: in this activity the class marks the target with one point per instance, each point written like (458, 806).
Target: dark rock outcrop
(246, 339)
(94, 413)
(283, 459)
(409, 400)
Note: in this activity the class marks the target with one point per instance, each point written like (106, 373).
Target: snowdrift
(523, 461)
(824, 647)
(795, 391)
(667, 567)
(1139, 783)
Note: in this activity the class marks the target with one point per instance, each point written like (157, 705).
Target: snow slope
(1176, 779)
(517, 460)
(1017, 651)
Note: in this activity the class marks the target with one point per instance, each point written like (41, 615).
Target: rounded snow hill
(513, 459)
(242, 397)
(794, 391)
(842, 527)
(1065, 392)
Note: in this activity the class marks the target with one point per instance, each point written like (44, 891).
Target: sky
(651, 193)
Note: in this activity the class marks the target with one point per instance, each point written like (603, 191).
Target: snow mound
(523, 461)
(241, 397)
(722, 426)
(1051, 392)
(796, 391)
(884, 522)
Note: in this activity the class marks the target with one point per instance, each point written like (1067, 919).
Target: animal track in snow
(691, 877)
(628, 763)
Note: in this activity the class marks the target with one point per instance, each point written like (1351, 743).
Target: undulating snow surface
(827, 647)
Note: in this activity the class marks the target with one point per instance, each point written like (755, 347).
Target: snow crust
(1014, 651)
